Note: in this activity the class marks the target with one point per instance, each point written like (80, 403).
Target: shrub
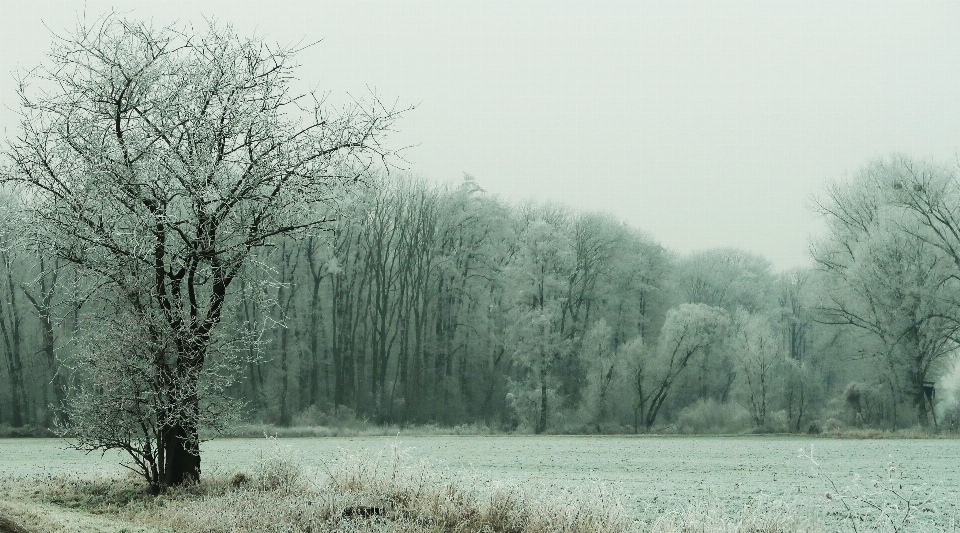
(280, 472)
(314, 415)
(24, 432)
(710, 417)
(950, 417)
(776, 422)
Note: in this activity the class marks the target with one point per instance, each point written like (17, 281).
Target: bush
(776, 422)
(711, 417)
(328, 417)
(31, 432)
(950, 418)
(279, 472)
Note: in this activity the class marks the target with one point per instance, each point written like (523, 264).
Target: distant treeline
(423, 303)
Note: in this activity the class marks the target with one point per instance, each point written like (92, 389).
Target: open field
(649, 475)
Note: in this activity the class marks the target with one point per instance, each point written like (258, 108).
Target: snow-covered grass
(367, 492)
(516, 484)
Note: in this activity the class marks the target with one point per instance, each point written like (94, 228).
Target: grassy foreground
(355, 494)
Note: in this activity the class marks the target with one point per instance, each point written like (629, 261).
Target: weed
(884, 503)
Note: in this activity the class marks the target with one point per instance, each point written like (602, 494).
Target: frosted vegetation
(515, 484)
(190, 247)
(356, 493)
(429, 304)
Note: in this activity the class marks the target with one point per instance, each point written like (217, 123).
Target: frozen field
(649, 474)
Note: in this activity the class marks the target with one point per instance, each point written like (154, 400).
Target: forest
(424, 303)
(188, 243)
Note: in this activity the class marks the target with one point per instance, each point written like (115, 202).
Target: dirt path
(33, 517)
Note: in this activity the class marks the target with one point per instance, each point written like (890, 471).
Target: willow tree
(157, 161)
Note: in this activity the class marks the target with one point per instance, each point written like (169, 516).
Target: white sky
(706, 124)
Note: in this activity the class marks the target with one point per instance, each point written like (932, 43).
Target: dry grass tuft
(394, 495)
(411, 496)
(711, 517)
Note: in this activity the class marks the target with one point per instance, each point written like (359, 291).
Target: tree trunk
(542, 422)
(15, 369)
(317, 335)
(42, 304)
(181, 462)
(286, 417)
(920, 400)
(10, 321)
(59, 390)
(602, 400)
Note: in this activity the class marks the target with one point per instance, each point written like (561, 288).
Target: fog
(706, 124)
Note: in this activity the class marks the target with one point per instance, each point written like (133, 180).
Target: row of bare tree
(436, 304)
(183, 230)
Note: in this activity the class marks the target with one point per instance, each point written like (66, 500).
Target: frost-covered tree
(890, 273)
(688, 332)
(540, 275)
(157, 161)
(730, 279)
(602, 365)
(757, 345)
(727, 278)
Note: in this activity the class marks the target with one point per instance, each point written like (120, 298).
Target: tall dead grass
(388, 492)
(710, 516)
(383, 492)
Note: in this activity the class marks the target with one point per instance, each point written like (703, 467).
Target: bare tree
(689, 331)
(891, 276)
(540, 273)
(157, 161)
(757, 345)
(602, 366)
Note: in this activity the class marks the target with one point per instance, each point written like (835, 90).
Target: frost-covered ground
(650, 475)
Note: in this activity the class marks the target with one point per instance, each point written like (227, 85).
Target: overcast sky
(707, 124)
